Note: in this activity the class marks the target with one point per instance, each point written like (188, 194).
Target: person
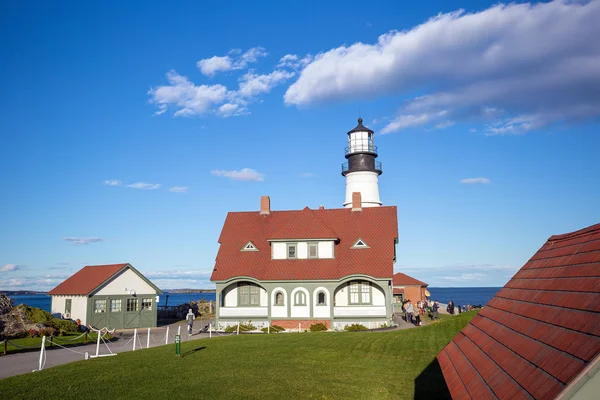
(450, 308)
(410, 311)
(435, 308)
(190, 320)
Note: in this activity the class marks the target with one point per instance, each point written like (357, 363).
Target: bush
(47, 331)
(32, 333)
(244, 327)
(318, 327)
(39, 316)
(355, 327)
(274, 329)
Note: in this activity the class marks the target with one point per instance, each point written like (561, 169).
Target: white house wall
(78, 307)
(278, 250)
(230, 295)
(300, 311)
(126, 280)
(341, 297)
(378, 296)
(302, 250)
(321, 311)
(326, 249)
(279, 311)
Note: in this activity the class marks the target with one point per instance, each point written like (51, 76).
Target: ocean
(473, 296)
(43, 301)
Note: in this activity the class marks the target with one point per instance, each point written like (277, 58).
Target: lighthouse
(362, 170)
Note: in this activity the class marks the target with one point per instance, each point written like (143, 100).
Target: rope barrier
(23, 347)
(66, 348)
(70, 340)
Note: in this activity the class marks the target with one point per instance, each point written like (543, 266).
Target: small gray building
(112, 296)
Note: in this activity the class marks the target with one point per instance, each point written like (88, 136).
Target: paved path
(22, 363)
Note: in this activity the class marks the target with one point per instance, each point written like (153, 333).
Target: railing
(243, 312)
(361, 147)
(345, 167)
(366, 311)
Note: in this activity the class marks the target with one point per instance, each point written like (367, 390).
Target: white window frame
(314, 245)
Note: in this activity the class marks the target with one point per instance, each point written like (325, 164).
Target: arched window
(300, 299)
(278, 299)
(321, 298)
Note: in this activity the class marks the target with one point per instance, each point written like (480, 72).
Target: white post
(167, 336)
(148, 340)
(238, 328)
(179, 331)
(134, 338)
(269, 328)
(210, 330)
(98, 343)
(298, 327)
(43, 348)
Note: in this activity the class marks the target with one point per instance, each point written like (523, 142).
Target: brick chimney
(356, 201)
(321, 207)
(265, 205)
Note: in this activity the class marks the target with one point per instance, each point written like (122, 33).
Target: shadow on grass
(430, 384)
(190, 352)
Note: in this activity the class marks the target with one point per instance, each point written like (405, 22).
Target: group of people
(414, 314)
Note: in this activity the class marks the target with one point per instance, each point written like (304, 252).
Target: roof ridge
(581, 232)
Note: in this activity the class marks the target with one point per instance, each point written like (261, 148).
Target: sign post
(177, 345)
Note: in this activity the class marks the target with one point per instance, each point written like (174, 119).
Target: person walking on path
(410, 310)
(435, 308)
(190, 320)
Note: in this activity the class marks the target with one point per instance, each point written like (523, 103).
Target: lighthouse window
(292, 250)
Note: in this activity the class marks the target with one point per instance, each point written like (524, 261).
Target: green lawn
(34, 344)
(318, 365)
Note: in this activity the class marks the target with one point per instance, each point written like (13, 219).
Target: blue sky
(128, 132)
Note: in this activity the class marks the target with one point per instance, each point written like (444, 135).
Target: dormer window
(313, 250)
(249, 247)
(292, 250)
(360, 244)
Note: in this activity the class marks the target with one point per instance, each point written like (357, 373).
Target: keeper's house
(408, 288)
(539, 337)
(112, 296)
(332, 266)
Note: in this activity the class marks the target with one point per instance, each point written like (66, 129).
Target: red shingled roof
(540, 330)
(401, 279)
(84, 281)
(398, 291)
(376, 226)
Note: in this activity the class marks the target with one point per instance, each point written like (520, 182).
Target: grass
(318, 365)
(34, 344)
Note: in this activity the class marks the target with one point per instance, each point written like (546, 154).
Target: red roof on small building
(540, 330)
(88, 278)
(376, 226)
(398, 291)
(401, 279)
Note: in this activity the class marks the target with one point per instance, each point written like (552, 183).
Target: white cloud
(144, 186)
(43, 283)
(210, 66)
(466, 277)
(245, 174)
(231, 110)
(445, 124)
(113, 182)
(251, 84)
(470, 181)
(82, 241)
(10, 268)
(179, 189)
(294, 62)
(535, 60)
(186, 96)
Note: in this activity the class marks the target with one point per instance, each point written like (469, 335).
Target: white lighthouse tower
(362, 170)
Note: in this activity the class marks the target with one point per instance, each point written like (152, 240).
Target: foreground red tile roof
(376, 226)
(84, 281)
(401, 279)
(540, 330)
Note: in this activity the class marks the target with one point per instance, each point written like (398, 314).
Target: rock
(5, 305)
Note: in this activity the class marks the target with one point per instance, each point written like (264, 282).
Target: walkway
(22, 363)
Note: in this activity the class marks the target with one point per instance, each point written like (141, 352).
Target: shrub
(47, 331)
(39, 316)
(274, 329)
(318, 327)
(244, 327)
(32, 333)
(355, 327)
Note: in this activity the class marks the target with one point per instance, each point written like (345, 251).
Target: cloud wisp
(535, 65)
(82, 241)
(137, 185)
(10, 268)
(179, 189)
(245, 174)
(233, 61)
(471, 181)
